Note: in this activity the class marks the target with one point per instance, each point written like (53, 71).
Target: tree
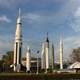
(7, 61)
(75, 56)
(8, 58)
(1, 65)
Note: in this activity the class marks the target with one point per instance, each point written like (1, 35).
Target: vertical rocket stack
(28, 60)
(47, 52)
(61, 54)
(45, 55)
(52, 57)
(18, 44)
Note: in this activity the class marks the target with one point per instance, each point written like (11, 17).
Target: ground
(50, 76)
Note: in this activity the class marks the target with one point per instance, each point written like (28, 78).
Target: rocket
(47, 52)
(52, 57)
(61, 54)
(43, 57)
(28, 65)
(18, 44)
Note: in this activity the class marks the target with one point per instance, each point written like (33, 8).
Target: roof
(74, 65)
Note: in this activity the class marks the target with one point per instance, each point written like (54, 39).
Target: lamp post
(37, 63)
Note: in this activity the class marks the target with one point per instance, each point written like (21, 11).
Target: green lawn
(25, 76)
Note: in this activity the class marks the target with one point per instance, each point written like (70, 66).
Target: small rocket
(52, 57)
(43, 57)
(28, 60)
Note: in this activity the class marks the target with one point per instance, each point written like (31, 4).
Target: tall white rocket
(61, 53)
(18, 44)
(47, 52)
(28, 59)
(43, 57)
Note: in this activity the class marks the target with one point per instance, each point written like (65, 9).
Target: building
(33, 62)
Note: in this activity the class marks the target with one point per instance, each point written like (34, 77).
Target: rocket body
(43, 57)
(61, 54)
(18, 45)
(52, 57)
(47, 54)
(28, 65)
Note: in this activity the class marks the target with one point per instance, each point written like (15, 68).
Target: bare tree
(75, 56)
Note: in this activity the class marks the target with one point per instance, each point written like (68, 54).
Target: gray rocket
(52, 57)
(43, 57)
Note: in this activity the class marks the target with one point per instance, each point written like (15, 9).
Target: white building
(75, 65)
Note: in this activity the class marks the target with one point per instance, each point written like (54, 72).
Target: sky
(57, 17)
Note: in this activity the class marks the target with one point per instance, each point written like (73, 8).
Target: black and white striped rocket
(18, 44)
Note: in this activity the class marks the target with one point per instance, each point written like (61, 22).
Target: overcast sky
(39, 17)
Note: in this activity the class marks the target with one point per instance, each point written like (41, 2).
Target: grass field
(25, 76)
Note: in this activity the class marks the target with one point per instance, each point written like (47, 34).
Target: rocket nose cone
(19, 20)
(28, 48)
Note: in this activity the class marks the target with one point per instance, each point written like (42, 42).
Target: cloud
(52, 17)
(77, 13)
(42, 20)
(10, 4)
(70, 43)
(31, 17)
(75, 21)
(4, 18)
(6, 44)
